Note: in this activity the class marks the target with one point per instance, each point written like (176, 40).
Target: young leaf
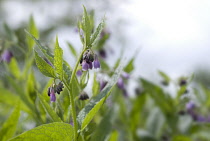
(49, 110)
(58, 60)
(54, 131)
(89, 111)
(9, 127)
(43, 66)
(34, 31)
(96, 34)
(86, 27)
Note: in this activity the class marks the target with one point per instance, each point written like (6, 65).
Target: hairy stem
(69, 87)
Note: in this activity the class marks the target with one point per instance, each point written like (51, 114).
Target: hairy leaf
(96, 34)
(43, 49)
(58, 60)
(54, 131)
(43, 66)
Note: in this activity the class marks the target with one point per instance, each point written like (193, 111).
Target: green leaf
(43, 49)
(31, 86)
(89, 116)
(103, 128)
(58, 60)
(73, 51)
(9, 127)
(34, 31)
(43, 66)
(10, 99)
(14, 69)
(114, 136)
(54, 131)
(129, 67)
(152, 125)
(163, 100)
(181, 138)
(96, 34)
(89, 111)
(49, 110)
(66, 71)
(165, 77)
(10, 34)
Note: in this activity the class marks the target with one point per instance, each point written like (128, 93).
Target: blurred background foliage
(163, 109)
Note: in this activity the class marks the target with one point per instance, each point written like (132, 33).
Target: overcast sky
(173, 35)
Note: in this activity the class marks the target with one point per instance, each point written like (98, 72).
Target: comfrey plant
(56, 67)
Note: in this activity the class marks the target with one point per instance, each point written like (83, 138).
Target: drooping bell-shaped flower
(51, 93)
(120, 83)
(85, 66)
(6, 56)
(190, 106)
(96, 63)
(125, 75)
(79, 72)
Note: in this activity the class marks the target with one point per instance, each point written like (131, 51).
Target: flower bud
(120, 83)
(83, 96)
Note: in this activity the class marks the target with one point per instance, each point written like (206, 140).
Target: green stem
(69, 87)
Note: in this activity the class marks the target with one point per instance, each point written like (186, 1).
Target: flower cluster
(55, 89)
(89, 60)
(190, 107)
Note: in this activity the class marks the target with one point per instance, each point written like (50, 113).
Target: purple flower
(6, 56)
(79, 72)
(120, 83)
(102, 84)
(96, 64)
(51, 93)
(85, 66)
(201, 118)
(190, 106)
(125, 75)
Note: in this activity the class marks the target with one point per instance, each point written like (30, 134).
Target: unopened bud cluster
(55, 89)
